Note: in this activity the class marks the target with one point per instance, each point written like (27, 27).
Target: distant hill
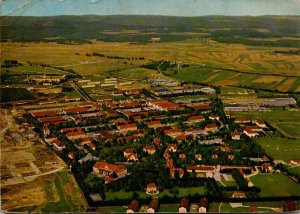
(82, 29)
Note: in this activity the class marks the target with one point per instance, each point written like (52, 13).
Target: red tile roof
(75, 110)
(153, 123)
(52, 119)
(172, 131)
(69, 134)
(149, 148)
(127, 127)
(202, 107)
(44, 113)
(71, 129)
(109, 167)
(196, 118)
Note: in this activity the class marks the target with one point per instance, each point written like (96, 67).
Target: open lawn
(276, 116)
(168, 208)
(213, 207)
(291, 128)
(280, 148)
(295, 170)
(273, 185)
(114, 209)
(226, 208)
(182, 193)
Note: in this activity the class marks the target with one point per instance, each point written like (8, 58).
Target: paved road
(80, 91)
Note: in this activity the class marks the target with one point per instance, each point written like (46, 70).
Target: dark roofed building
(153, 206)
(184, 205)
(133, 207)
(203, 205)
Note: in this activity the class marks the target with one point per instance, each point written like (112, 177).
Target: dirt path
(64, 193)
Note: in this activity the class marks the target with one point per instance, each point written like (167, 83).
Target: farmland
(280, 148)
(206, 66)
(131, 82)
(273, 185)
(32, 185)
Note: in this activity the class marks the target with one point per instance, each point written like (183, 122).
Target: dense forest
(82, 29)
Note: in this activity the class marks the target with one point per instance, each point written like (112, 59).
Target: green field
(192, 73)
(273, 185)
(273, 116)
(290, 128)
(182, 193)
(66, 202)
(168, 208)
(113, 209)
(295, 170)
(280, 148)
(27, 69)
(94, 69)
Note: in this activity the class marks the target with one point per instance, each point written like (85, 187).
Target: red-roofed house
(172, 147)
(163, 105)
(267, 167)
(235, 135)
(214, 117)
(182, 156)
(71, 155)
(44, 113)
(215, 156)
(129, 151)
(211, 127)
(91, 145)
(105, 169)
(242, 120)
(173, 132)
(260, 123)
(156, 141)
(75, 135)
(224, 148)
(58, 145)
(127, 127)
(132, 157)
(196, 119)
(151, 188)
(46, 131)
(108, 179)
(181, 137)
(150, 149)
(154, 124)
(75, 110)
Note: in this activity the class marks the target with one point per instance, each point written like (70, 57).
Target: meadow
(273, 185)
(182, 192)
(280, 148)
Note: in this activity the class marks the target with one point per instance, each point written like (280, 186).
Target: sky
(149, 7)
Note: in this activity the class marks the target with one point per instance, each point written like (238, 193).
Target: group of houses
(184, 206)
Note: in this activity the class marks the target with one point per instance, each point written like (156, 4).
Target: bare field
(286, 85)
(268, 79)
(28, 170)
